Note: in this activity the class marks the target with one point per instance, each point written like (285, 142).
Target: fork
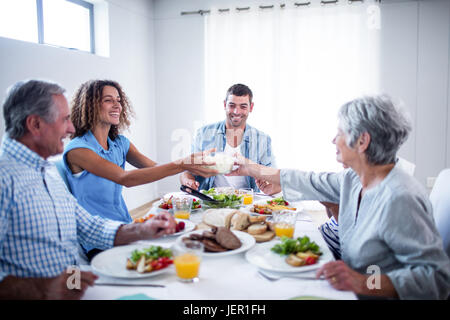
(273, 277)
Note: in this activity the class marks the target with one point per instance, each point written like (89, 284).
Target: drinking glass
(188, 256)
(285, 223)
(182, 207)
(247, 195)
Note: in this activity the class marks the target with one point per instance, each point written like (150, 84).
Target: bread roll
(240, 221)
(266, 236)
(218, 217)
(257, 229)
(256, 219)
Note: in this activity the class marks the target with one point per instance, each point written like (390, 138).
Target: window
(64, 23)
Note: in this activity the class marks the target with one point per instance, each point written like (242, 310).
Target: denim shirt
(256, 146)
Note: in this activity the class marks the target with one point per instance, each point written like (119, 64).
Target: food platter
(263, 202)
(112, 262)
(247, 243)
(262, 257)
(167, 196)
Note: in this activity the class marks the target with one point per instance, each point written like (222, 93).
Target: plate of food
(288, 255)
(165, 202)
(220, 241)
(226, 197)
(267, 207)
(133, 261)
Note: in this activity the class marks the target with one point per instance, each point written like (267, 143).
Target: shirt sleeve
(267, 158)
(299, 185)
(409, 230)
(5, 207)
(95, 231)
(196, 144)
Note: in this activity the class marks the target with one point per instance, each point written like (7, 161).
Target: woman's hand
(244, 166)
(267, 187)
(196, 164)
(342, 277)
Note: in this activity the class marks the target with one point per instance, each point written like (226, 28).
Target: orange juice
(248, 199)
(284, 229)
(182, 214)
(187, 265)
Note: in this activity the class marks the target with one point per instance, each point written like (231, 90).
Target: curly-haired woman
(95, 158)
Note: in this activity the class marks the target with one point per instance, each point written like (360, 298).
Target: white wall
(414, 60)
(130, 63)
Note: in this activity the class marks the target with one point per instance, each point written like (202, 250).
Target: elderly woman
(385, 217)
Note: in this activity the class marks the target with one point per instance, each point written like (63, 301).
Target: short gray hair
(387, 125)
(25, 98)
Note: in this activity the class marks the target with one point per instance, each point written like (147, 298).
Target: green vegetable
(301, 244)
(279, 201)
(154, 252)
(225, 200)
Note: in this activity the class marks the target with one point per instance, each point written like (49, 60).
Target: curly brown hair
(86, 105)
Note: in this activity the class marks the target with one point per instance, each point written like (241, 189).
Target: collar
(222, 130)
(22, 153)
(93, 140)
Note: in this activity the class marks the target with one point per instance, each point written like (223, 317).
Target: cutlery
(129, 284)
(273, 277)
(198, 194)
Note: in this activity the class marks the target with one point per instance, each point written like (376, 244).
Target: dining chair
(440, 200)
(61, 170)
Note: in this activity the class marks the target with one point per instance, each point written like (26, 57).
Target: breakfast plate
(262, 257)
(249, 208)
(112, 262)
(168, 196)
(188, 227)
(247, 243)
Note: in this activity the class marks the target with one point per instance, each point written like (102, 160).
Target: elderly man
(41, 223)
(232, 136)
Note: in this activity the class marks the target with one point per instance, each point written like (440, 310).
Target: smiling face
(52, 134)
(237, 109)
(110, 108)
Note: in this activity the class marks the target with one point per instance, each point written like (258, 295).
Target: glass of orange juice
(188, 256)
(247, 195)
(182, 207)
(285, 223)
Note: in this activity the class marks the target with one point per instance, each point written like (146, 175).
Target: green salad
(301, 244)
(225, 200)
(153, 252)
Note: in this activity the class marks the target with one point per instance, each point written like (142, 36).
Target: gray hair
(387, 125)
(25, 98)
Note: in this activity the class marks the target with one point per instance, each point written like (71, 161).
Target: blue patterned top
(41, 223)
(256, 146)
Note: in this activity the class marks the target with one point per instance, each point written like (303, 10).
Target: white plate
(262, 257)
(188, 227)
(112, 262)
(177, 194)
(247, 209)
(247, 243)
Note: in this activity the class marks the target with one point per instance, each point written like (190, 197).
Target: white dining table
(229, 277)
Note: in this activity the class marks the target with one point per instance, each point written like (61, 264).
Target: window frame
(85, 4)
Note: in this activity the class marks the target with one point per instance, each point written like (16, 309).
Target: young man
(41, 223)
(232, 136)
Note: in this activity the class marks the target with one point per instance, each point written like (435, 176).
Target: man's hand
(188, 180)
(160, 225)
(267, 187)
(243, 164)
(57, 288)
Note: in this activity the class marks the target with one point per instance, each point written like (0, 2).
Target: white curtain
(302, 64)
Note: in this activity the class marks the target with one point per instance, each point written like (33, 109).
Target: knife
(198, 194)
(129, 284)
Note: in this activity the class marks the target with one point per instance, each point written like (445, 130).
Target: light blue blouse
(99, 196)
(394, 228)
